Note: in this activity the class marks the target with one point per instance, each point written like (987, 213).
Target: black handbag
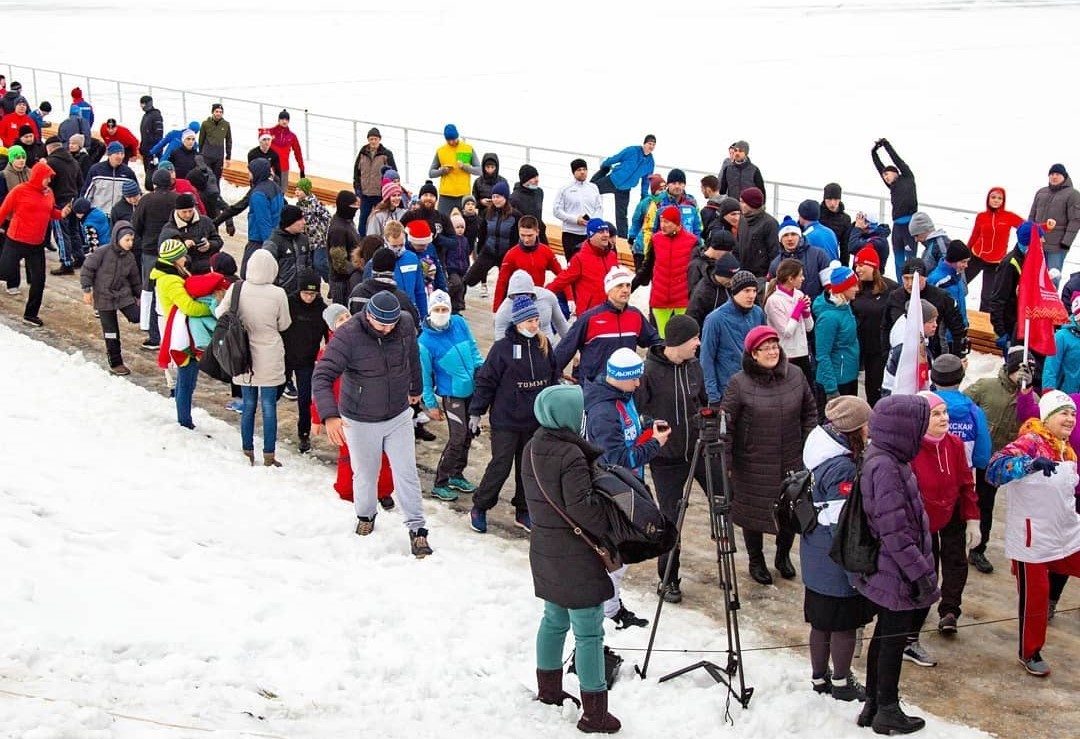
(854, 547)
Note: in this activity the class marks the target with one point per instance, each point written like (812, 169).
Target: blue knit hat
(384, 308)
(789, 224)
(809, 210)
(524, 309)
(625, 364)
(450, 132)
(130, 189)
(1023, 233)
(114, 147)
(595, 226)
(501, 188)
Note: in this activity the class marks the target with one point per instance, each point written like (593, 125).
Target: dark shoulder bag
(230, 344)
(794, 510)
(854, 547)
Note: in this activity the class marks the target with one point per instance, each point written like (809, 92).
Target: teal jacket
(202, 327)
(836, 344)
(449, 359)
(1061, 371)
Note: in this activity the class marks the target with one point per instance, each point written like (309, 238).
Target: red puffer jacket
(990, 236)
(671, 263)
(537, 261)
(30, 206)
(585, 274)
(945, 481)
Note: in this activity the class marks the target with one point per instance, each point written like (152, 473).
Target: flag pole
(1027, 349)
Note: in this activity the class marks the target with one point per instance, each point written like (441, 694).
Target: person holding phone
(199, 234)
(575, 204)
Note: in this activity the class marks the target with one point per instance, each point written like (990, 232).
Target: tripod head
(711, 424)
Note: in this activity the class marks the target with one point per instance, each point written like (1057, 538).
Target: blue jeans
(320, 261)
(267, 398)
(186, 377)
(367, 204)
(1055, 260)
(303, 400)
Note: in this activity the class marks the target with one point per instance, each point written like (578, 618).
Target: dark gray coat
(565, 570)
(1062, 203)
(114, 276)
(770, 414)
(372, 368)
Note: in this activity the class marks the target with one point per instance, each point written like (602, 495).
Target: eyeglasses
(768, 346)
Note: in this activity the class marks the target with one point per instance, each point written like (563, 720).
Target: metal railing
(330, 143)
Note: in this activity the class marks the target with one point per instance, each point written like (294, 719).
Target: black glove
(1044, 465)
(301, 174)
(923, 588)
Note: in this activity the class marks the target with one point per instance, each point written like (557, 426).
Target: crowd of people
(359, 315)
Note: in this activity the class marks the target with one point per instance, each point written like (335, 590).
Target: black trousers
(110, 329)
(987, 494)
(755, 543)
(950, 559)
(303, 399)
(506, 448)
(15, 252)
(669, 481)
(480, 267)
(455, 286)
(622, 203)
(886, 655)
(874, 367)
(571, 244)
(989, 272)
(455, 455)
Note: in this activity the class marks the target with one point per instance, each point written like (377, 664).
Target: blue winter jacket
(836, 344)
(722, 340)
(629, 167)
(170, 141)
(954, 283)
(450, 357)
(814, 260)
(823, 238)
(637, 223)
(97, 222)
(934, 249)
(612, 423)
(265, 201)
(511, 377)
(827, 456)
(409, 278)
(1061, 370)
(967, 421)
(688, 210)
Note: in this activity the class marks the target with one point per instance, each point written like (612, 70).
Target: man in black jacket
(66, 184)
(951, 336)
(378, 360)
(151, 131)
(291, 248)
(198, 233)
(758, 240)
(381, 280)
(900, 180)
(150, 216)
(836, 220)
(673, 390)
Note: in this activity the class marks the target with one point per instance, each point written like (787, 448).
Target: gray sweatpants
(367, 440)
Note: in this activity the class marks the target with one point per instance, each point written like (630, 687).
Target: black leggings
(886, 655)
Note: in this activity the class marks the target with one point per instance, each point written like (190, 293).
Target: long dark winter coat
(565, 570)
(770, 414)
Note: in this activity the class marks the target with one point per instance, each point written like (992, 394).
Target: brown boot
(269, 461)
(550, 690)
(596, 719)
(251, 457)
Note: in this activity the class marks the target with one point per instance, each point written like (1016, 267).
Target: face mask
(527, 333)
(439, 320)
(532, 187)
(398, 250)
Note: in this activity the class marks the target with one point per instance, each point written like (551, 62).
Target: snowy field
(151, 573)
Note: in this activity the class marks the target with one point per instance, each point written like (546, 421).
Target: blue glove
(1003, 343)
(1046, 466)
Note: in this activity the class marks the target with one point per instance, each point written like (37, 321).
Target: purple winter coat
(894, 507)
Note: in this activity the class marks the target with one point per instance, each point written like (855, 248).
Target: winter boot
(596, 719)
(625, 618)
(550, 690)
(672, 593)
(251, 457)
(269, 461)
(305, 443)
(759, 571)
(418, 542)
(889, 720)
(869, 710)
(783, 565)
(822, 683)
(847, 689)
(365, 525)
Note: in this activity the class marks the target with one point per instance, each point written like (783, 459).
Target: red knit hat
(655, 182)
(759, 335)
(672, 214)
(419, 232)
(868, 255)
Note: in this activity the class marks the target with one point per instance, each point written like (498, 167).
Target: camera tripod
(709, 448)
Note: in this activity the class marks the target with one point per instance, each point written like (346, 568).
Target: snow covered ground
(152, 573)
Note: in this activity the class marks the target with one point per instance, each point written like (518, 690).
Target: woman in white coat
(264, 312)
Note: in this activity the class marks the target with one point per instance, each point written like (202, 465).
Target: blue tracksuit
(967, 421)
(722, 340)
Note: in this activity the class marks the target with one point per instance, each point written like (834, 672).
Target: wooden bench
(981, 333)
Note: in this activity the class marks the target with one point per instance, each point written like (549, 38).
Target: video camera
(710, 425)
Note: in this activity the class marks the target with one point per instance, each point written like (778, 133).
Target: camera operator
(612, 423)
(673, 388)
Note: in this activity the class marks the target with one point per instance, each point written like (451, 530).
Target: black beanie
(184, 201)
(428, 189)
(680, 329)
(957, 252)
(383, 260)
(832, 191)
(346, 199)
(290, 214)
(947, 371)
(578, 164)
(307, 279)
(527, 172)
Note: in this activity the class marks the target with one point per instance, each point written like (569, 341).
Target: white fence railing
(330, 143)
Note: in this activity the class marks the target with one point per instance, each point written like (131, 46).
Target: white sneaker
(13, 291)
(483, 290)
(422, 418)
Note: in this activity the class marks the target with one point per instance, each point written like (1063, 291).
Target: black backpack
(639, 531)
(230, 345)
(794, 510)
(854, 547)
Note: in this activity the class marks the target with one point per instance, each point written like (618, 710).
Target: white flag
(907, 371)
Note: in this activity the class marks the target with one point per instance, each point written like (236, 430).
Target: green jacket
(997, 398)
(215, 138)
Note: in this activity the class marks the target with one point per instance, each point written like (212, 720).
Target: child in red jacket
(335, 316)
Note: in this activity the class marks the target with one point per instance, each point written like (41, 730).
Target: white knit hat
(625, 364)
(1053, 401)
(617, 276)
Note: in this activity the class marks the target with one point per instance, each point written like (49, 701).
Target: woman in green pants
(568, 574)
